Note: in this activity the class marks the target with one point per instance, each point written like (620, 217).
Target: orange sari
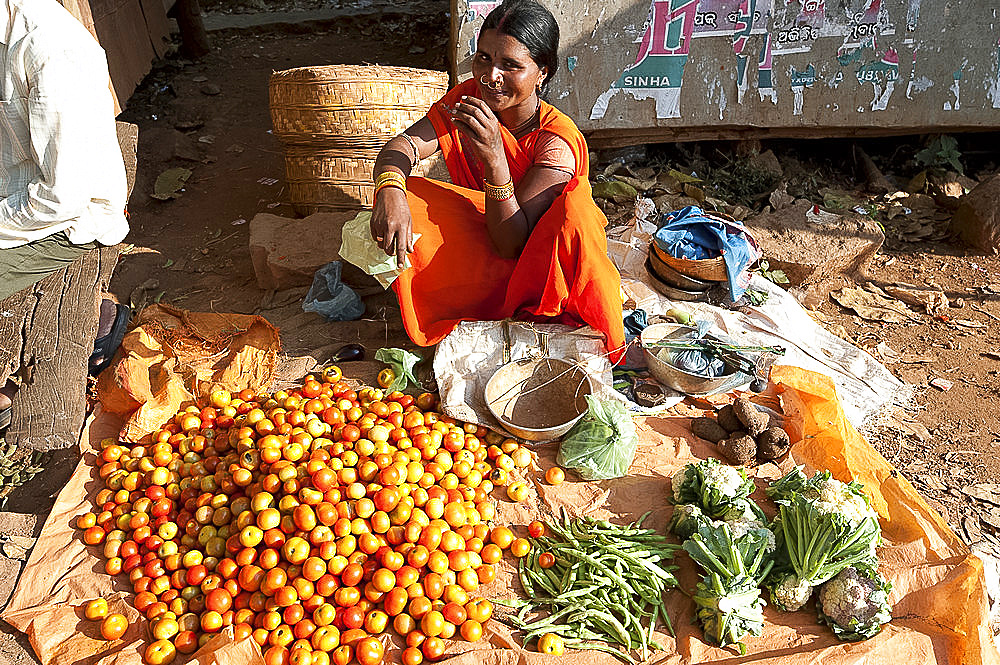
(563, 275)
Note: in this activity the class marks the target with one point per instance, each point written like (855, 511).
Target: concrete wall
(648, 70)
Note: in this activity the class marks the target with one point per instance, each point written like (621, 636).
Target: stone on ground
(287, 252)
(977, 220)
(816, 248)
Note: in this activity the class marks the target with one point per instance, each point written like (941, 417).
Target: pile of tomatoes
(312, 521)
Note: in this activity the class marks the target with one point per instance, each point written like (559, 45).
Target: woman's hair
(532, 25)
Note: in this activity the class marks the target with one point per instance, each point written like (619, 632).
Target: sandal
(106, 344)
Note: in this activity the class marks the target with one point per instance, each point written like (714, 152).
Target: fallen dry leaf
(872, 306)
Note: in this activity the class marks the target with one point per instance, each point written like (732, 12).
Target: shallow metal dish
(679, 379)
(538, 399)
(673, 292)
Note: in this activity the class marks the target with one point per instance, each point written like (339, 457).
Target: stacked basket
(687, 279)
(334, 119)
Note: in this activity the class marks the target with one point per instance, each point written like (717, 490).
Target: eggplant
(348, 353)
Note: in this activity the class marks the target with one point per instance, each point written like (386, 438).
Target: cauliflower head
(726, 479)
(790, 593)
(855, 603)
(834, 496)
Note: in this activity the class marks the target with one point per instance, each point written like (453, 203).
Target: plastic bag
(331, 298)
(602, 444)
(402, 363)
(358, 248)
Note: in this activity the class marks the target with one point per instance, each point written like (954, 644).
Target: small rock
(210, 89)
(414, 50)
(12, 551)
(9, 571)
(281, 260)
(19, 524)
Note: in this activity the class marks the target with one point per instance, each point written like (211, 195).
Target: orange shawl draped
(563, 275)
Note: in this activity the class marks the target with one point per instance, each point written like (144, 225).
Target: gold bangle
(390, 176)
(389, 183)
(501, 192)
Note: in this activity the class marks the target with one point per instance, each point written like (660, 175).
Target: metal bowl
(674, 377)
(673, 292)
(538, 399)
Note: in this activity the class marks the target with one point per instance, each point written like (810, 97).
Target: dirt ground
(211, 116)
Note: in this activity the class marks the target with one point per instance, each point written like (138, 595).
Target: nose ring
(492, 85)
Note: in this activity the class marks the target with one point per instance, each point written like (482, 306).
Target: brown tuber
(773, 444)
(755, 421)
(727, 418)
(708, 429)
(740, 448)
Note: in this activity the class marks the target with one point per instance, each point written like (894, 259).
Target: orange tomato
(113, 626)
(96, 609)
(551, 644)
(369, 651)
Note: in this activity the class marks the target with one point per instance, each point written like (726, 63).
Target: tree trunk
(47, 334)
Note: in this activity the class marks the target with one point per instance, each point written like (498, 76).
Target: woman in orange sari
(518, 234)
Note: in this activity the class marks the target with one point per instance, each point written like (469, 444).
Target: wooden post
(195, 42)
(47, 334)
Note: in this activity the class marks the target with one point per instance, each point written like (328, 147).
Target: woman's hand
(391, 224)
(481, 126)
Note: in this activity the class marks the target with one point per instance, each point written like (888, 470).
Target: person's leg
(26, 265)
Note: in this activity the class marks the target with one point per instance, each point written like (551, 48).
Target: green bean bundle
(607, 583)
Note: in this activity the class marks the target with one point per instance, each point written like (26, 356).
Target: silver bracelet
(413, 146)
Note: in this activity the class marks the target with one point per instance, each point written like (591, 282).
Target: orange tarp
(940, 605)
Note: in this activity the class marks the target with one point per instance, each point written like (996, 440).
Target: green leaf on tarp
(615, 190)
(169, 183)
(402, 363)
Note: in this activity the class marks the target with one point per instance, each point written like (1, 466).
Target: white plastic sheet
(865, 387)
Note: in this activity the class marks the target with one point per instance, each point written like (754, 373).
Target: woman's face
(501, 57)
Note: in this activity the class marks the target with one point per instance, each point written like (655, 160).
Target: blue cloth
(689, 233)
(635, 323)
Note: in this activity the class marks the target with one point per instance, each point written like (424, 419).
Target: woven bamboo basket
(311, 104)
(711, 270)
(334, 120)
